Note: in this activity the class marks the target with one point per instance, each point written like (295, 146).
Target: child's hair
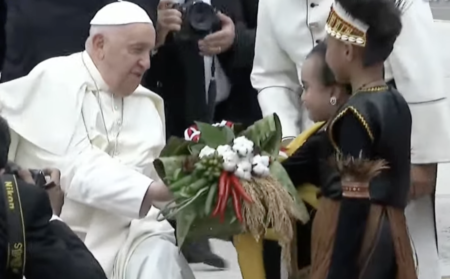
(384, 20)
(326, 75)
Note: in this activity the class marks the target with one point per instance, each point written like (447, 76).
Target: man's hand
(157, 193)
(169, 20)
(219, 41)
(423, 180)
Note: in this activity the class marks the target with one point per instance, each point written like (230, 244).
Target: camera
(37, 175)
(198, 20)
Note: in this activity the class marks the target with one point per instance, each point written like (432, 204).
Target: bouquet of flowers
(227, 181)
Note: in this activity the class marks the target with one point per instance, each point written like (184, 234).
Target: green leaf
(238, 128)
(195, 148)
(167, 166)
(214, 136)
(185, 219)
(267, 134)
(175, 146)
(279, 173)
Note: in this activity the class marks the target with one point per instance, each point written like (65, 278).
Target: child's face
(316, 96)
(338, 58)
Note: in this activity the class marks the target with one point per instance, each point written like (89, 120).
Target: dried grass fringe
(272, 207)
(358, 169)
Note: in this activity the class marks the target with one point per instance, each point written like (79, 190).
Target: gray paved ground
(441, 10)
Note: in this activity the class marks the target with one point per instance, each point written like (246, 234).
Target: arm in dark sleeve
(352, 139)
(53, 253)
(241, 53)
(301, 166)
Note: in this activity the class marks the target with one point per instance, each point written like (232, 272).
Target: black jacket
(53, 251)
(39, 30)
(177, 71)
(242, 105)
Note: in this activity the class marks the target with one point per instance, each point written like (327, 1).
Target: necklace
(97, 96)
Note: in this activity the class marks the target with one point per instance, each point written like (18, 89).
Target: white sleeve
(92, 177)
(274, 75)
(54, 217)
(417, 66)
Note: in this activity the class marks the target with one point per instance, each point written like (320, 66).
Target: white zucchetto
(121, 13)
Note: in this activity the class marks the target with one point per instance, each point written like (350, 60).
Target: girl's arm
(352, 139)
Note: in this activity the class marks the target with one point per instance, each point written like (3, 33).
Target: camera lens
(201, 17)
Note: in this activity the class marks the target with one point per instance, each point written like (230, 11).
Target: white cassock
(63, 116)
(282, 44)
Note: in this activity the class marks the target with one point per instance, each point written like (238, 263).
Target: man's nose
(145, 62)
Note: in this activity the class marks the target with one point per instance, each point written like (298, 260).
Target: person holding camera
(34, 242)
(201, 68)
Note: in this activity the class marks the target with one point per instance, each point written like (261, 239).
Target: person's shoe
(200, 252)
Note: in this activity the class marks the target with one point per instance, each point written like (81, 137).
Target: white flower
(216, 124)
(244, 170)
(261, 170)
(221, 149)
(223, 123)
(263, 160)
(206, 151)
(243, 146)
(230, 160)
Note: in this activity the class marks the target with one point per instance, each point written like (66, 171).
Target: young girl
(323, 96)
(359, 230)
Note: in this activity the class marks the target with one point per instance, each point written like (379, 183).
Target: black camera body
(37, 175)
(198, 20)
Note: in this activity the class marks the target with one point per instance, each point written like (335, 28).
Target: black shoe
(200, 252)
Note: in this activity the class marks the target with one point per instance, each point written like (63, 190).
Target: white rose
(206, 152)
(261, 170)
(263, 160)
(243, 146)
(221, 149)
(230, 160)
(243, 174)
(243, 140)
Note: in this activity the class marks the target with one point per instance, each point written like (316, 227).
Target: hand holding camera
(219, 41)
(169, 20)
(53, 187)
(195, 21)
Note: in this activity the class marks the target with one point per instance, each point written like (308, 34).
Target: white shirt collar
(96, 78)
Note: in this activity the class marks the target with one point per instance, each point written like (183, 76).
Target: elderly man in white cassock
(87, 115)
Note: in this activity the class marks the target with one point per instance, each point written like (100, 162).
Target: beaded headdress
(342, 26)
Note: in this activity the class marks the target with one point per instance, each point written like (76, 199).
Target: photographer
(49, 248)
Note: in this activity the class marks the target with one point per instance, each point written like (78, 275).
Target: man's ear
(98, 42)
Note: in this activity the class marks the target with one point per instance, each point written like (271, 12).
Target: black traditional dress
(359, 231)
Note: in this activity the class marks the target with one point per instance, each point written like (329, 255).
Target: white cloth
(281, 47)
(283, 43)
(120, 13)
(54, 217)
(157, 258)
(104, 182)
(420, 220)
(223, 85)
